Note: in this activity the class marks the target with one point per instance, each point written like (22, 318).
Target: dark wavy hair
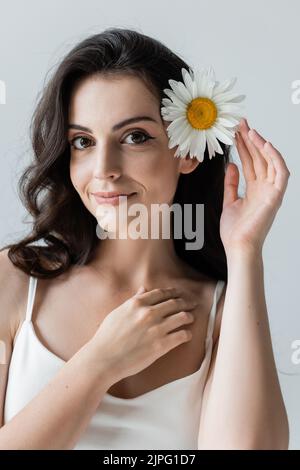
(65, 231)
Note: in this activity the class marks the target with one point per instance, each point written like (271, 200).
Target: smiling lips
(110, 197)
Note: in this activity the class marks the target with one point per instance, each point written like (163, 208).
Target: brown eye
(138, 141)
(83, 140)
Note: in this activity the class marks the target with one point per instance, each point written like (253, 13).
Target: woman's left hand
(246, 221)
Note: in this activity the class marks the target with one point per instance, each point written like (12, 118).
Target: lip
(110, 193)
(114, 199)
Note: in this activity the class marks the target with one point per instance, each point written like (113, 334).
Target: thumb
(231, 183)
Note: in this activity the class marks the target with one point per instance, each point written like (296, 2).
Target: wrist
(244, 253)
(98, 366)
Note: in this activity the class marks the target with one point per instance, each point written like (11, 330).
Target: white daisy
(202, 112)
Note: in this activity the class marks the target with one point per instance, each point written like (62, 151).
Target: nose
(107, 163)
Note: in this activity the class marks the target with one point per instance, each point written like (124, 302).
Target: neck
(133, 263)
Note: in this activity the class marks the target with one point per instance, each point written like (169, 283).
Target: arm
(60, 413)
(243, 406)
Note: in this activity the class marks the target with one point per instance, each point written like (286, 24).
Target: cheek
(161, 179)
(78, 175)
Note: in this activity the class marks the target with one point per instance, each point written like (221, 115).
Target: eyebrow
(116, 126)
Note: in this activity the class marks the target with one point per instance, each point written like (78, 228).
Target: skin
(246, 390)
(232, 396)
(111, 165)
(108, 280)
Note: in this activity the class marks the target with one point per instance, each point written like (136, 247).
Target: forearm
(245, 407)
(60, 413)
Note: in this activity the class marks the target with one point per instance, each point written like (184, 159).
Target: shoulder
(13, 297)
(13, 294)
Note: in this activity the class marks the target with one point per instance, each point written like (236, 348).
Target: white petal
(181, 153)
(174, 98)
(222, 136)
(201, 143)
(185, 92)
(226, 85)
(181, 132)
(194, 90)
(229, 116)
(215, 142)
(173, 84)
(193, 144)
(188, 80)
(172, 142)
(185, 133)
(229, 132)
(180, 91)
(229, 108)
(228, 96)
(205, 85)
(174, 114)
(187, 141)
(167, 118)
(177, 123)
(210, 145)
(166, 101)
(227, 122)
(210, 73)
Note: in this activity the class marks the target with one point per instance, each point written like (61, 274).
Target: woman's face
(123, 159)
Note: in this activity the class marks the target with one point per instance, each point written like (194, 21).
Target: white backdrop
(259, 42)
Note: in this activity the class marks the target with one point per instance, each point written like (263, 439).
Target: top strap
(30, 298)
(211, 322)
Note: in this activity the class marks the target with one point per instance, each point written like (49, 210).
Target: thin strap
(211, 321)
(31, 296)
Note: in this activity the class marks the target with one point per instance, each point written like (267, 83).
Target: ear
(187, 164)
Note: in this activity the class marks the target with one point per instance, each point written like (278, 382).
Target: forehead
(111, 98)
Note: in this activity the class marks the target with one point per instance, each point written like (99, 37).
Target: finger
(231, 183)
(140, 290)
(247, 162)
(259, 162)
(260, 142)
(282, 172)
(168, 307)
(157, 295)
(176, 321)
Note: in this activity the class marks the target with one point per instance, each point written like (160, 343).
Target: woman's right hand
(140, 330)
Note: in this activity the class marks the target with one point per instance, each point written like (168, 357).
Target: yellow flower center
(201, 113)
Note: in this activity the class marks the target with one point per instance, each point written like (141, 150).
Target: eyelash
(131, 133)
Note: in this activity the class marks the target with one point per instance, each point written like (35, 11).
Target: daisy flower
(203, 111)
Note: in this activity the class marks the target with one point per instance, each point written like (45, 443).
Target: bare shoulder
(13, 297)
(13, 293)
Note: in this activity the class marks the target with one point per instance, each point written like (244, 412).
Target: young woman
(122, 343)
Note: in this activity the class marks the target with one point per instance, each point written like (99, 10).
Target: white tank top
(164, 418)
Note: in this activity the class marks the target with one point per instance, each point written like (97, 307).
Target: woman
(105, 337)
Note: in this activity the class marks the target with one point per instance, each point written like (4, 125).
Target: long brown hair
(64, 231)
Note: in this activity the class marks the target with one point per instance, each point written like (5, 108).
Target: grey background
(259, 42)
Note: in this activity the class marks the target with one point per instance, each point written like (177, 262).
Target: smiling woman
(115, 333)
(115, 109)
